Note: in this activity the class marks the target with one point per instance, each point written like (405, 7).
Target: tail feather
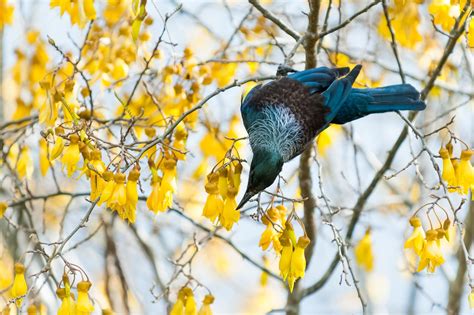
(362, 102)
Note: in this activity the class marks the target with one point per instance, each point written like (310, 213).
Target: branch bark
(305, 179)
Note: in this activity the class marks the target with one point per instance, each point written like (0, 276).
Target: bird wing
(338, 92)
(319, 79)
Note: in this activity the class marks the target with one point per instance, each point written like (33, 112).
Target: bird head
(265, 167)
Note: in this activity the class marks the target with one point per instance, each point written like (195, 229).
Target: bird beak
(245, 198)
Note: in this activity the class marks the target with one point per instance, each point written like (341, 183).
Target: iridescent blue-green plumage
(283, 116)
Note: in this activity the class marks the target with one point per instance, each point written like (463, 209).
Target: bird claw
(283, 70)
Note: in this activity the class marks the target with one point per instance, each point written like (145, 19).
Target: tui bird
(283, 116)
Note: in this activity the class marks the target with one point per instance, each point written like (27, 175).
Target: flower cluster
(292, 260)
(79, 11)
(186, 304)
(458, 173)
(428, 246)
(69, 305)
(119, 195)
(274, 219)
(222, 187)
(163, 187)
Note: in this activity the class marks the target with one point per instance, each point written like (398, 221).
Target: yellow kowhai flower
(407, 33)
(285, 259)
(97, 168)
(431, 255)
(447, 229)
(6, 13)
(465, 172)
(32, 310)
(298, 261)
(190, 307)
(417, 238)
(108, 188)
(222, 183)
(214, 205)
(132, 195)
(43, 156)
(84, 305)
(230, 214)
(271, 235)
(179, 143)
(19, 288)
(152, 200)
(25, 164)
(71, 155)
(178, 307)
(363, 252)
(119, 196)
(236, 175)
(57, 149)
(288, 241)
(3, 208)
(470, 34)
(448, 173)
(68, 305)
(168, 185)
(444, 14)
(206, 305)
(79, 11)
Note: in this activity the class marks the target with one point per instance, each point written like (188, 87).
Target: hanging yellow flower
(132, 195)
(190, 307)
(71, 155)
(286, 253)
(97, 168)
(152, 200)
(168, 185)
(108, 188)
(119, 196)
(431, 255)
(465, 172)
(214, 205)
(25, 164)
(448, 173)
(222, 183)
(271, 235)
(298, 260)
(178, 307)
(230, 214)
(32, 310)
(19, 288)
(206, 305)
(57, 149)
(288, 242)
(363, 252)
(417, 238)
(43, 156)
(68, 305)
(179, 143)
(236, 175)
(84, 305)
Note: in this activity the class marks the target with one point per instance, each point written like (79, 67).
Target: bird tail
(362, 102)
